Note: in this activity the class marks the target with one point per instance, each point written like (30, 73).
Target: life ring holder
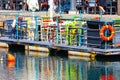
(102, 30)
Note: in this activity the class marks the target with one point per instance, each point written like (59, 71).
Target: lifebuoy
(103, 30)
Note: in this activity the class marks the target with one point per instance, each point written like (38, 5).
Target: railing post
(21, 26)
(106, 35)
(100, 15)
(77, 36)
(16, 35)
(36, 29)
(66, 29)
(69, 39)
(80, 33)
(57, 29)
(80, 38)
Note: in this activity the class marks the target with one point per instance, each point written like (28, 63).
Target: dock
(80, 34)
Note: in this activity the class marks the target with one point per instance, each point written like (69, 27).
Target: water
(42, 67)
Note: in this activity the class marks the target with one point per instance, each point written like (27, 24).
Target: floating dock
(76, 36)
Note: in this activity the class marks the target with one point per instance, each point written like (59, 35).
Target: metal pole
(57, 30)
(36, 20)
(17, 25)
(80, 28)
(60, 11)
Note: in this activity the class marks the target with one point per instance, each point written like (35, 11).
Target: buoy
(10, 64)
(38, 48)
(102, 30)
(75, 53)
(92, 56)
(10, 57)
(10, 61)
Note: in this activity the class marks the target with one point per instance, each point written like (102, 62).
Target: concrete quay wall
(9, 14)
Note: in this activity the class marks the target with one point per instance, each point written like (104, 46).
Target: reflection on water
(27, 67)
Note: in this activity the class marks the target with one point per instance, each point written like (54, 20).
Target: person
(86, 5)
(80, 6)
(12, 6)
(45, 6)
(25, 6)
(33, 5)
(101, 5)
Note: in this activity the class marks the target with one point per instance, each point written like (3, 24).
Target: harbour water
(41, 66)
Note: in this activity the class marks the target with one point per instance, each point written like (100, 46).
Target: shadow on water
(64, 53)
(110, 58)
(16, 48)
(52, 52)
(58, 53)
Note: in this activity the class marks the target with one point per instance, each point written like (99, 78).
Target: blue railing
(77, 33)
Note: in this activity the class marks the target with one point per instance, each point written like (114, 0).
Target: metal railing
(70, 33)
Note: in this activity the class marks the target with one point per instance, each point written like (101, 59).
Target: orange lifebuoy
(111, 35)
